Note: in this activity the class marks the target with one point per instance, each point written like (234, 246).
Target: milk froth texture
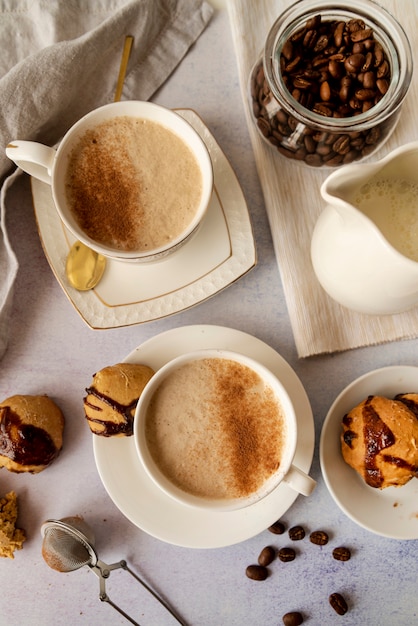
(392, 203)
(133, 184)
(215, 429)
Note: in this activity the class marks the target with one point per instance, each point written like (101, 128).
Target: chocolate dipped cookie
(31, 433)
(112, 398)
(380, 440)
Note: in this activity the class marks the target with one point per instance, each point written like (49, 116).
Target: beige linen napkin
(293, 202)
(60, 60)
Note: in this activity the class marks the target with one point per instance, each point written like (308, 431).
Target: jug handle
(33, 158)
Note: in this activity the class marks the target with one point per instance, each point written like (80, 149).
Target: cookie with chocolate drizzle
(380, 440)
(111, 399)
(31, 433)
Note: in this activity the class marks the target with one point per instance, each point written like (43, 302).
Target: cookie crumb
(11, 538)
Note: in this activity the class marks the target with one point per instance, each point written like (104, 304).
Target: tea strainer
(68, 545)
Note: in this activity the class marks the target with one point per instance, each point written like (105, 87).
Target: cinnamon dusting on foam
(215, 429)
(133, 184)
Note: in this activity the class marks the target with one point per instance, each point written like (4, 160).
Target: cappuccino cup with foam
(131, 180)
(217, 430)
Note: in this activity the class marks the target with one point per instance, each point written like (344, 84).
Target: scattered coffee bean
(296, 533)
(257, 572)
(319, 537)
(341, 554)
(338, 603)
(286, 554)
(266, 556)
(294, 618)
(277, 528)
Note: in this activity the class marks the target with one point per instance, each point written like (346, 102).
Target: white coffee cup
(233, 411)
(50, 166)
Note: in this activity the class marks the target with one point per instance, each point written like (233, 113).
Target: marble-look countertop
(51, 350)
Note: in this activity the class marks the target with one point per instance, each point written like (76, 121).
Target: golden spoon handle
(123, 66)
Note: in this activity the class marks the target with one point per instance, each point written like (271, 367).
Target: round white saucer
(150, 509)
(391, 512)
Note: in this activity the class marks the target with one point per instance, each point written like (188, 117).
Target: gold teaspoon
(85, 267)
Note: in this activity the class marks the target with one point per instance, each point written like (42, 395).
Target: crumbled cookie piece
(11, 538)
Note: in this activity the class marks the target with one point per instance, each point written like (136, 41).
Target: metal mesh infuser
(68, 545)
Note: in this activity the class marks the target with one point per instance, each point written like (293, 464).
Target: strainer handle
(103, 571)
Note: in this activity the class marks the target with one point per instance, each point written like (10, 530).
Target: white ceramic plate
(156, 513)
(220, 253)
(391, 512)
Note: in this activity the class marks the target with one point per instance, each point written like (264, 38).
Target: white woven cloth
(293, 202)
(60, 60)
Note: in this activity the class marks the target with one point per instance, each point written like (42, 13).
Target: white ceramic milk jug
(364, 246)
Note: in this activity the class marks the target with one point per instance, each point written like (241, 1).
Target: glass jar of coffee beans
(329, 86)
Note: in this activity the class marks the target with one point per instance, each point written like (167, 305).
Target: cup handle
(33, 158)
(299, 481)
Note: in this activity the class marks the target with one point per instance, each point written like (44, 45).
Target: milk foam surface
(392, 204)
(133, 184)
(215, 429)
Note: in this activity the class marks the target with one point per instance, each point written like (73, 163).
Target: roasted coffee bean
(277, 528)
(361, 34)
(368, 63)
(355, 24)
(322, 43)
(338, 34)
(300, 82)
(310, 39)
(358, 47)
(335, 69)
(341, 554)
(367, 105)
(287, 50)
(325, 91)
(365, 94)
(264, 126)
(333, 159)
(266, 556)
(323, 109)
(314, 160)
(319, 63)
(354, 62)
(294, 618)
(256, 572)
(293, 63)
(372, 136)
(369, 80)
(286, 554)
(382, 85)
(379, 55)
(338, 603)
(342, 145)
(313, 22)
(310, 144)
(350, 156)
(296, 533)
(319, 537)
(324, 150)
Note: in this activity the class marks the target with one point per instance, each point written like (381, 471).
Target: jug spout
(337, 190)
